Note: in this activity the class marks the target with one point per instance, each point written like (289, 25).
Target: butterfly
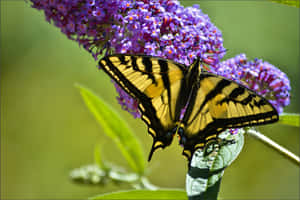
(185, 100)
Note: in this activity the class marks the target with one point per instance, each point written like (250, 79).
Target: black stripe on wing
(147, 62)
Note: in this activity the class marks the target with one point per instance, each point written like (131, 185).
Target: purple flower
(99, 13)
(233, 131)
(160, 28)
(260, 76)
(127, 103)
(70, 27)
(90, 2)
(81, 28)
(150, 48)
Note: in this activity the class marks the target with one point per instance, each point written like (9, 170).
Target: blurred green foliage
(291, 119)
(116, 128)
(288, 2)
(46, 130)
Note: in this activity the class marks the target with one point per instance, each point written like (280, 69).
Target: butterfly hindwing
(155, 83)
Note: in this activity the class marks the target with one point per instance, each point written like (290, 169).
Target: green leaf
(291, 119)
(98, 158)
(229, 152)
(205, 173)
(144, 195)
(294, 3)
(116, 128)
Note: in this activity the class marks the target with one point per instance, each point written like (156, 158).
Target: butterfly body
(176, 99)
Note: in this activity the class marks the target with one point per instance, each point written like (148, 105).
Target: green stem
(267, 141)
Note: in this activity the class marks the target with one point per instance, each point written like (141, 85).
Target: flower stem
(267, 141)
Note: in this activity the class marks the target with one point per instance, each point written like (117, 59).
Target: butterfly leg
(211, 144)
(226, 142)
(214, 142)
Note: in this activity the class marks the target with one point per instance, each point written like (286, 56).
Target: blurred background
(46, 130)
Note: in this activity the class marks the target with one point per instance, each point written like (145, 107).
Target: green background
(46, 130)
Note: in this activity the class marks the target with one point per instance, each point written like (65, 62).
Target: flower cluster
(128, 103)
(161, 28)
(257, 75)
(158, 27)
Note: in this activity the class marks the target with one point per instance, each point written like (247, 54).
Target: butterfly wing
(218, 104)
(155, 83)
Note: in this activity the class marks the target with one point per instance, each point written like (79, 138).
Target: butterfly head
(181, 136)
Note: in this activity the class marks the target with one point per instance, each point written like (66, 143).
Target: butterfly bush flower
(161, 28)
(260, 76)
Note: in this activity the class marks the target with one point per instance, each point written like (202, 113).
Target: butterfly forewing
(155, 83)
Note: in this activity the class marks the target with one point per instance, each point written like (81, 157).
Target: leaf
(294, 3)
(229, 152)
(93, 174)
(88, 174)
(144, 195)
(205, 173)
(124, 177)
(291, 119)
(98, 158)
(116, 128)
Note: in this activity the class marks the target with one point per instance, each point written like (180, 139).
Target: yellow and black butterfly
(174, 98)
